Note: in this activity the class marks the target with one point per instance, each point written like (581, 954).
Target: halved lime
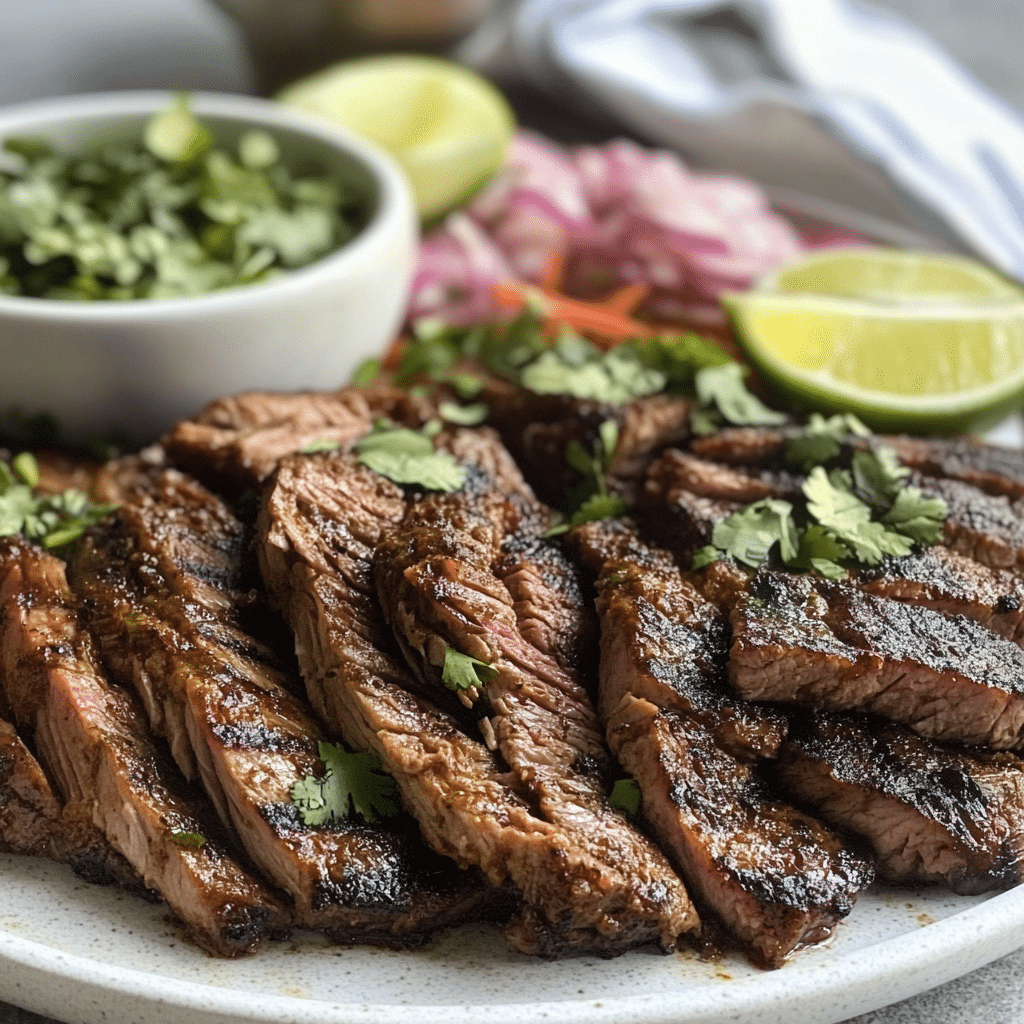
(891, 275)
(447, 127)
(924, 368)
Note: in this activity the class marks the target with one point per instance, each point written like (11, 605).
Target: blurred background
(52, 47)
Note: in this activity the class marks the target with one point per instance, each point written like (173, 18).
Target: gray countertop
(53, 47)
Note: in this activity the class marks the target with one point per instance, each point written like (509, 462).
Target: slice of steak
(162, 584)
(30, 812)
(682, 471)
(35, 821)
(932, 814)
(234, 443)
(955, 584)
(675, 727)
(537, 430)
(801, 639)
(94, 740)
(439, 584)
(777, 878)
(661, 641)
(991, 468)
(321, 522)
(744, 446)
(987, 528)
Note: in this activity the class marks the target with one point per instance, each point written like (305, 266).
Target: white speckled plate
(94, 956)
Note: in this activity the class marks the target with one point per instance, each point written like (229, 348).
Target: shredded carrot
(554, 271)
(604, 322)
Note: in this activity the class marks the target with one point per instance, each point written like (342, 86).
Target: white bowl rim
(394, 200)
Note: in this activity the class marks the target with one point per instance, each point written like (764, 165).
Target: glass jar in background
(291, 38)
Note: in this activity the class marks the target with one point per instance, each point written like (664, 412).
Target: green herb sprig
(167, 214)
(51, 520)
(408, 457)
(591, 500)
(849, 517)
(625, 796)
(351, 784)
(461, 672)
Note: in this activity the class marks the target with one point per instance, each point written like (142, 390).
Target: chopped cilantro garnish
(351, 784)
(367, 371)
(408, 457)
(625, 796)
(166, 214)
(724, 399)
(52, 520)
(186, 840)
(461, 672)
(849, 516)
(320, 445)
(463, 415)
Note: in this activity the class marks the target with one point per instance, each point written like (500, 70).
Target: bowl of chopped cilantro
(158, 250)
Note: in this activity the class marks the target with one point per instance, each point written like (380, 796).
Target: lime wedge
(444, 124)
(920, 368)
(890, 275)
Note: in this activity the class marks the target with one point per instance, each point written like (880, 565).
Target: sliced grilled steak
(321, 521)
(744, 446)
(777, 878)
(93, 739)
(438, 582)
(673, 725)
(932, 814)
(830, 646)
(990, 468)
(30, 812)
(988, 529)
(235, 443)
(661, 641)
(35, 821)
(955, 584)
(162, 584)
(538, 428)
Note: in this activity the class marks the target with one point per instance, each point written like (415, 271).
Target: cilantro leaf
(320, 445)
(408, 457)
(576, 367)
(916, 516)
(722, 389)
(750, 534)
(463, 415)
(186, 840)
(461, 672)
(599, 506)
(51, 520)
(878, 476)
(352, 783)
(367, 371)
(838, 509)
(820, 440)
(625, 796)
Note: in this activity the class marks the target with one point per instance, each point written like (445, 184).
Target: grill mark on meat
(235, 442)
(988, 529)
(93, 739)
(932, 814)
(250, 738)
(954, 584)
(675, 728)
(468, 805)
(777, 878)
(994, 470)
(828, 645)
(663, 642)
(35, 821)
(437, 583)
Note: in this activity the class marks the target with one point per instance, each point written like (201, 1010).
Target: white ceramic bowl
(139, 365)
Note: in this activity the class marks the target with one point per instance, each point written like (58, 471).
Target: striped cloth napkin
(843, 111)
